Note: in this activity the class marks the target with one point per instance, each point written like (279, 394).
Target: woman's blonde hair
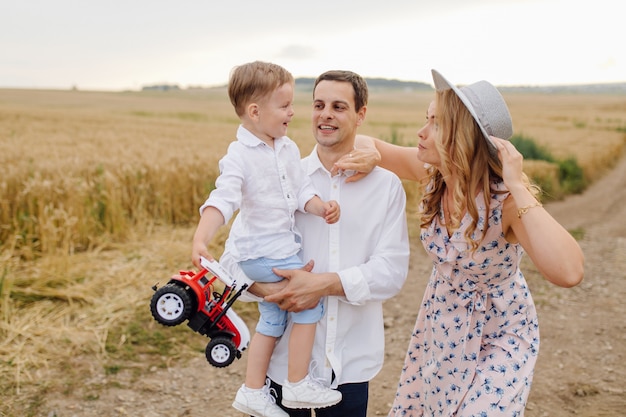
(465, 153)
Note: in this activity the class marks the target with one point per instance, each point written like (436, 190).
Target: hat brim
(442, 84)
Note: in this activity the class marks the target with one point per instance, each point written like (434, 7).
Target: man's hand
(300, 293)
(264, 289)
(304, 290)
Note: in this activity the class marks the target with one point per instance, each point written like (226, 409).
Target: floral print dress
(476, 338)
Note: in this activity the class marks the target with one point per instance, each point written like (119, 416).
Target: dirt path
(581, 369)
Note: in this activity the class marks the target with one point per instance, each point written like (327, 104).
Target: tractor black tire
(221, 351)
(171, 305)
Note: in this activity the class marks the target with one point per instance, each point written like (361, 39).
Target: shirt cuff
(354, 286)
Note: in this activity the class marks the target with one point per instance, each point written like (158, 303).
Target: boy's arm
(329, 211)
(210, 221)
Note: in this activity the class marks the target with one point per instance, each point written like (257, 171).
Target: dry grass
(589, 128)
(98, 201)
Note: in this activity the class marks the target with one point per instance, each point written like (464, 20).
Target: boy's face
(275, 113)
(334, 119)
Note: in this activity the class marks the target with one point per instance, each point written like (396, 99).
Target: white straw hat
(486, 105)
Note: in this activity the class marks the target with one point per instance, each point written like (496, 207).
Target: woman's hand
(360, 160)
(512, 163)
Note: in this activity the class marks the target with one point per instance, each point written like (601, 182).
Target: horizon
(175, 86)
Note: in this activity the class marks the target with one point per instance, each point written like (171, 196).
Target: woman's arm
(401, 160)
(553, 250)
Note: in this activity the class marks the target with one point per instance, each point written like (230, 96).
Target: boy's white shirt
(267, 185)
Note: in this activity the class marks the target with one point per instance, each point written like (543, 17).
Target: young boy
(261, 175)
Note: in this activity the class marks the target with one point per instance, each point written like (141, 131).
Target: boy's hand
(198, 250)
(331, 212)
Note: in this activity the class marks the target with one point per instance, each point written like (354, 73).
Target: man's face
(335, 119)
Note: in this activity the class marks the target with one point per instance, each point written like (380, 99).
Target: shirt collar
(249, 139)
(314, 164)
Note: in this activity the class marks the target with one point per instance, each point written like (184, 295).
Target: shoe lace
(269, 392)
(317, 382)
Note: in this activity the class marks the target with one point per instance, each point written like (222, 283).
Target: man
(359, 262)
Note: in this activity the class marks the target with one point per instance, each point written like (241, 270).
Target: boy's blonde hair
(253, 82)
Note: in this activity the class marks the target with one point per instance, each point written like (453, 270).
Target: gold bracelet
(523, 210)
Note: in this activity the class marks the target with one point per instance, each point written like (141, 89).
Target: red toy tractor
(191, 296)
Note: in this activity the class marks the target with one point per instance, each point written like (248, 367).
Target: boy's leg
(300, 347)
(259, 354)
(271, 324)
(260, 269)
(254, 395)
(301, 341)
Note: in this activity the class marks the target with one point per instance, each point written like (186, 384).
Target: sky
(129, 44)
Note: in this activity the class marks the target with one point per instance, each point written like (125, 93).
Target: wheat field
(99, 194)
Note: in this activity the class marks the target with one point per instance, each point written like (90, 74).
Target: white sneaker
(309, 393)
(257, 402)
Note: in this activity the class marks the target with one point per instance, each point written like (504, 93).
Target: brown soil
(581, 369)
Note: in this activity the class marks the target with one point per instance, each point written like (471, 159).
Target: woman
(476, 338)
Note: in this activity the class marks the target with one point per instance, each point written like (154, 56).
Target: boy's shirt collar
(249, 139)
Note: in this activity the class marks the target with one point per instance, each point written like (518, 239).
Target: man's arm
(303, 290)
(269, 289)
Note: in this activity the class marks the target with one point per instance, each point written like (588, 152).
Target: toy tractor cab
(191, 296)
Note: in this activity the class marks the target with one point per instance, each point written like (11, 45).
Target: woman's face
(428, 136)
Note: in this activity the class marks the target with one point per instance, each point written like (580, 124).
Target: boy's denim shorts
(273, 320)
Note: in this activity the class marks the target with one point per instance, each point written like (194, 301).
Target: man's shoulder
(384, 174)
(310, 162)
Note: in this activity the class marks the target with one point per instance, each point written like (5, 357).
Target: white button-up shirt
(369, 249)
(267, 185)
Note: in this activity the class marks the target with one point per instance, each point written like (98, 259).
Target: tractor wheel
(221, 351)
(171, 305)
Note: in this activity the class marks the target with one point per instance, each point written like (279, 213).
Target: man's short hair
(358, 84)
